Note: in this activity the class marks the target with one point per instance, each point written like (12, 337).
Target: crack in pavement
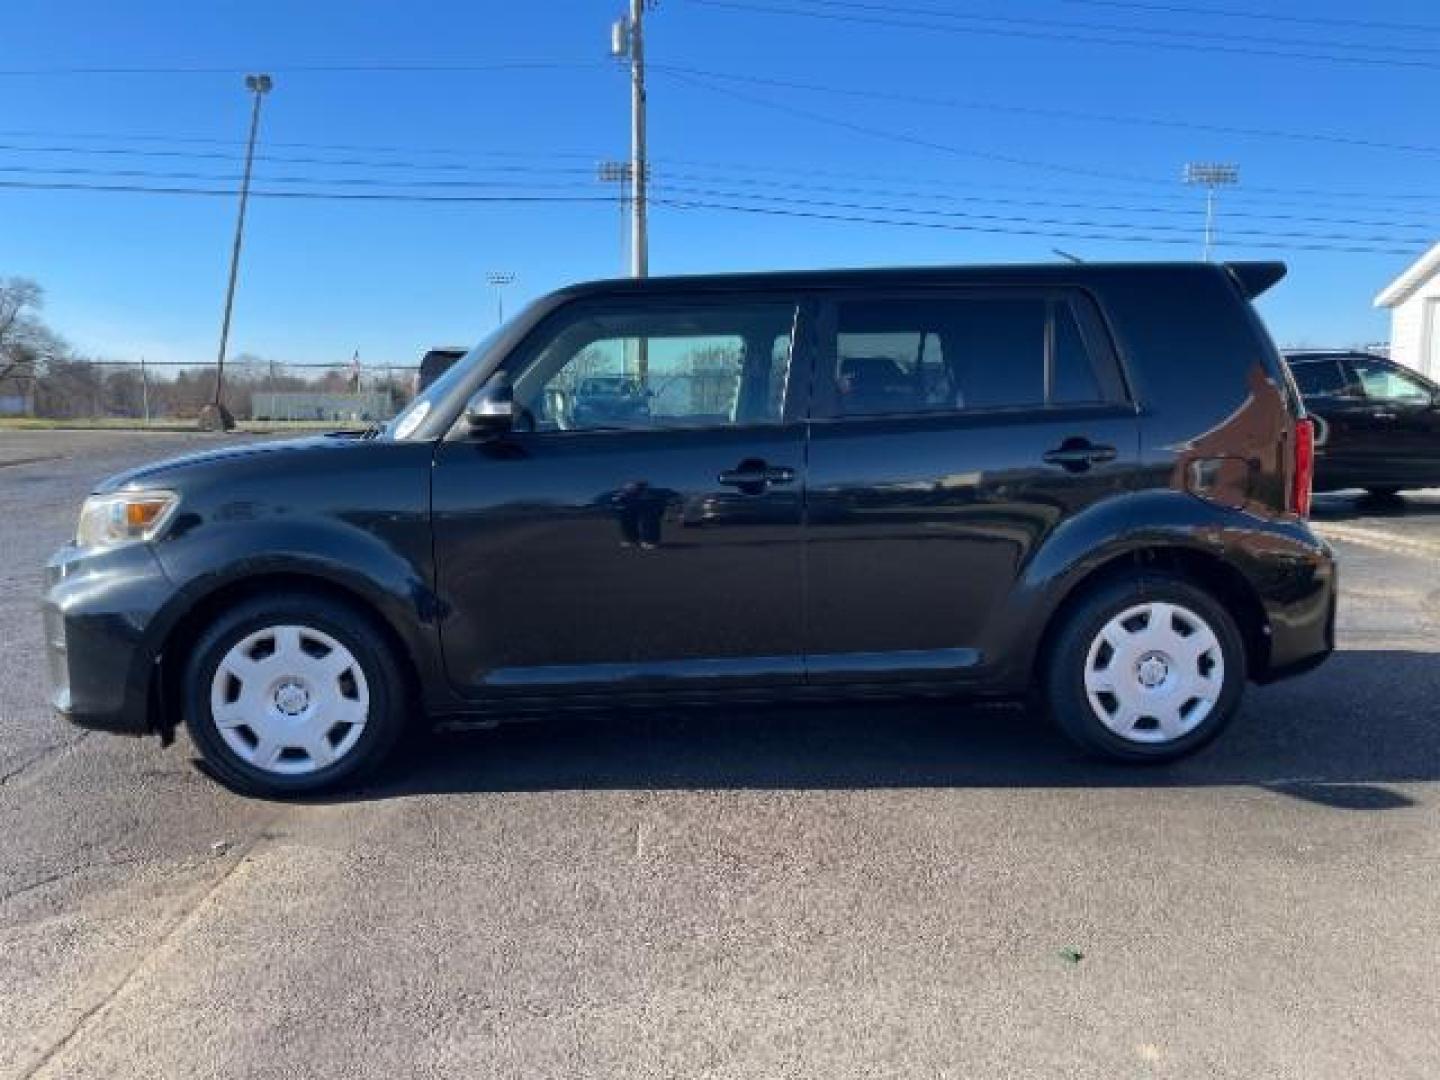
(182, 920)
(74, 871)
(49, 752)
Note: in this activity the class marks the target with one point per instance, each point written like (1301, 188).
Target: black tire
(1065, 667)
(349, 626)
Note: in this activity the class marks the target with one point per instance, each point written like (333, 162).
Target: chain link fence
(117, 391)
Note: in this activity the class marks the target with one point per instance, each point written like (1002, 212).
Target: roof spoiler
(1255, 277)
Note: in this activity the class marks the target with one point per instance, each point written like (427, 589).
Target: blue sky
(1023, 146)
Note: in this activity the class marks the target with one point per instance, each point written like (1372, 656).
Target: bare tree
(26, 343)
(21, 331)
(19, 299)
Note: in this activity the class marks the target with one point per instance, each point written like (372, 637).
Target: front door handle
(752, 476)
(1382, 415)
(1077, 455)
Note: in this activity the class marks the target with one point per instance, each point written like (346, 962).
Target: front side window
(949, 354)
(1385, 382)
(629, 367)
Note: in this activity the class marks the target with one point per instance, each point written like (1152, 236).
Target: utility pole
(215, 416)
(1211, 176)
(627, 42)
(498, 279)
(639, 163)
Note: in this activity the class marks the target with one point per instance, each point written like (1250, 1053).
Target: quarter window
(950, 354)
(1385, 382)
(708, 366)
(1074, 380)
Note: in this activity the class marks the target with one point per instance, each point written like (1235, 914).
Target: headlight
(123, 518)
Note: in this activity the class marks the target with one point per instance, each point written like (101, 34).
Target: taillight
(1302, 469)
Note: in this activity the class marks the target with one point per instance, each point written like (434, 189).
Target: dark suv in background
(1089, 481)
(1378, 423)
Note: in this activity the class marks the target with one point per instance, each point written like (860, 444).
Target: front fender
(380, 568)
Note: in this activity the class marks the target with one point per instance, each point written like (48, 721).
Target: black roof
(1300, 356)
(1252, 277)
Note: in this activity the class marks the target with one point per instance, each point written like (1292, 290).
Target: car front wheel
(293, 696)
(1148, 669)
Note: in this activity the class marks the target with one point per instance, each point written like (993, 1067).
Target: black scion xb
(1090, 480)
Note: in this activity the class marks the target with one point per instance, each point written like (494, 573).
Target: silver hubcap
(1154, 672)
(289, 700)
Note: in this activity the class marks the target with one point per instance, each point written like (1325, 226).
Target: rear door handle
(1383, 415)
(1077, 455)
(753, 476)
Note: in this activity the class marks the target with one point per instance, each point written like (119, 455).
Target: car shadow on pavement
(1336, 737)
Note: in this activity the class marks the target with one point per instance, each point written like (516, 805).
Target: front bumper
(97, 613)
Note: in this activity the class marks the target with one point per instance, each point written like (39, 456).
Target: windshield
(411, 419)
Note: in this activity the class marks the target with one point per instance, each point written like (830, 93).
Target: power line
(1007, 231)
(365, 196)
(1186, 230)
(449, 151)
(949, 194)
(1273, 196)
(368, 67)
(666, 177)
(817, 117)
(1075, 33)
(1122, 28)
(1002, 200)
(1152, 191)
(911, 140)
(992, 224)
(1263, 16)
(1051, 113)
(215, 155)
(342, 181)
(915, 140)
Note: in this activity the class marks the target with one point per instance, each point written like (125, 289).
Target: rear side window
(1319, 378)
(965, 353)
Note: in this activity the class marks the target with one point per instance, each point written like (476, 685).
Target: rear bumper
(96, 612)
(1299, 593)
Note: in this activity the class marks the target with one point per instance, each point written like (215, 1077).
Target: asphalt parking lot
(879, 891)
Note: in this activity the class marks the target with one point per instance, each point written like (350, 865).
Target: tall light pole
(216, 416)
(1211, 176)
(498, 279)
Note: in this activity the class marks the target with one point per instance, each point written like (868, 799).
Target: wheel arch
(1205, 570)
(202, 610)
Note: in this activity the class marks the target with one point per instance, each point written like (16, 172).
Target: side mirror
(492, 410)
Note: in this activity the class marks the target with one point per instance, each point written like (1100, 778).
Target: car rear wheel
(1148, 669)
(293, 696)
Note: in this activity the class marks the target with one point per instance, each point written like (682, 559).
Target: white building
(1414, 302)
